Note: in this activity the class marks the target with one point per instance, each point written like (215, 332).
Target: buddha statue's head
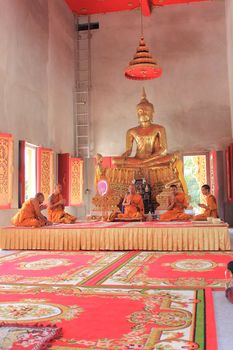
(145, 111)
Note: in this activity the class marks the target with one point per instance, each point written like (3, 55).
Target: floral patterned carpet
(57, 268)
(89, 268)
(176, 270)
(22, 337)
(111, 300)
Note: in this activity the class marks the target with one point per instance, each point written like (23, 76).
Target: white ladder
(82, 87)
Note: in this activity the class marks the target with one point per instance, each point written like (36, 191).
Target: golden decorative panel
(46, 172)
(76, 181)
(6, 170)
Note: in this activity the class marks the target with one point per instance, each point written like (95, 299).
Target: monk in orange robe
(133, 205)
(176, 204)
(56, 206)
(210, 206)
(30, 214)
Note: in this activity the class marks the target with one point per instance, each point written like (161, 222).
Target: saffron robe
(27, 215)
(57, 214)
(210, 211)
(135, 209)
(177, 212)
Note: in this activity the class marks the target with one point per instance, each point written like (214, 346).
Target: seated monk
(210, 206)
(56, 206)
(133, 205)
(176, 204)
(30, 214)
(151, 144)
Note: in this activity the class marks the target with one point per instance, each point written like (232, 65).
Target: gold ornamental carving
(76, 186)
(6, 170)
(47, 172)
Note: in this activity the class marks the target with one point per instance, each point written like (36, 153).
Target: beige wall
(228, 207)
(36, 77)
(191, 98)
(229, 29)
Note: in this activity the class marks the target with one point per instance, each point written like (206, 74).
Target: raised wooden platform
(119, 236)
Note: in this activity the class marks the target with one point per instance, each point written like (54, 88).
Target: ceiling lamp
(143, 66)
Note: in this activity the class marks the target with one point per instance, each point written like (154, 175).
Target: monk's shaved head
(58, 188)
(39, 194)
(40, 197)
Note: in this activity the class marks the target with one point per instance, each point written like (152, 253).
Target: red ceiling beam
(90, 7)
(146, 7)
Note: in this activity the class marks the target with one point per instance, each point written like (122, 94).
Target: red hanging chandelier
(142, 66)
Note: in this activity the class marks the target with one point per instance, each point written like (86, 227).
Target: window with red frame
(36, 171)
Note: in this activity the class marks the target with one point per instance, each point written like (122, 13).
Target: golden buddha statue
(150, 139)
(151, 143)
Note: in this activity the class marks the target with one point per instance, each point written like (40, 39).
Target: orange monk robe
(27, 215)
(210, 211)
(57, 214)
(177, 212)
(136, 207)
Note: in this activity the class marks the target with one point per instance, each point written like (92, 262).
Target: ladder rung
(81, 92)
(83, 37)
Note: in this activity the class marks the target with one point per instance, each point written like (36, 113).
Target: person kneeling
(56, 208)
(30, 214)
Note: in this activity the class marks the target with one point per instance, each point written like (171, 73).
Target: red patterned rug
(157, 269)
(172, 270)
(115, 319)
(23, 337)
(57, 268)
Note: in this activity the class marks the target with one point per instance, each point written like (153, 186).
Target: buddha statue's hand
(155, 155)
(126, 154)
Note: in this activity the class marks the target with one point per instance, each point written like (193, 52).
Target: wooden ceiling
(90, 7)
